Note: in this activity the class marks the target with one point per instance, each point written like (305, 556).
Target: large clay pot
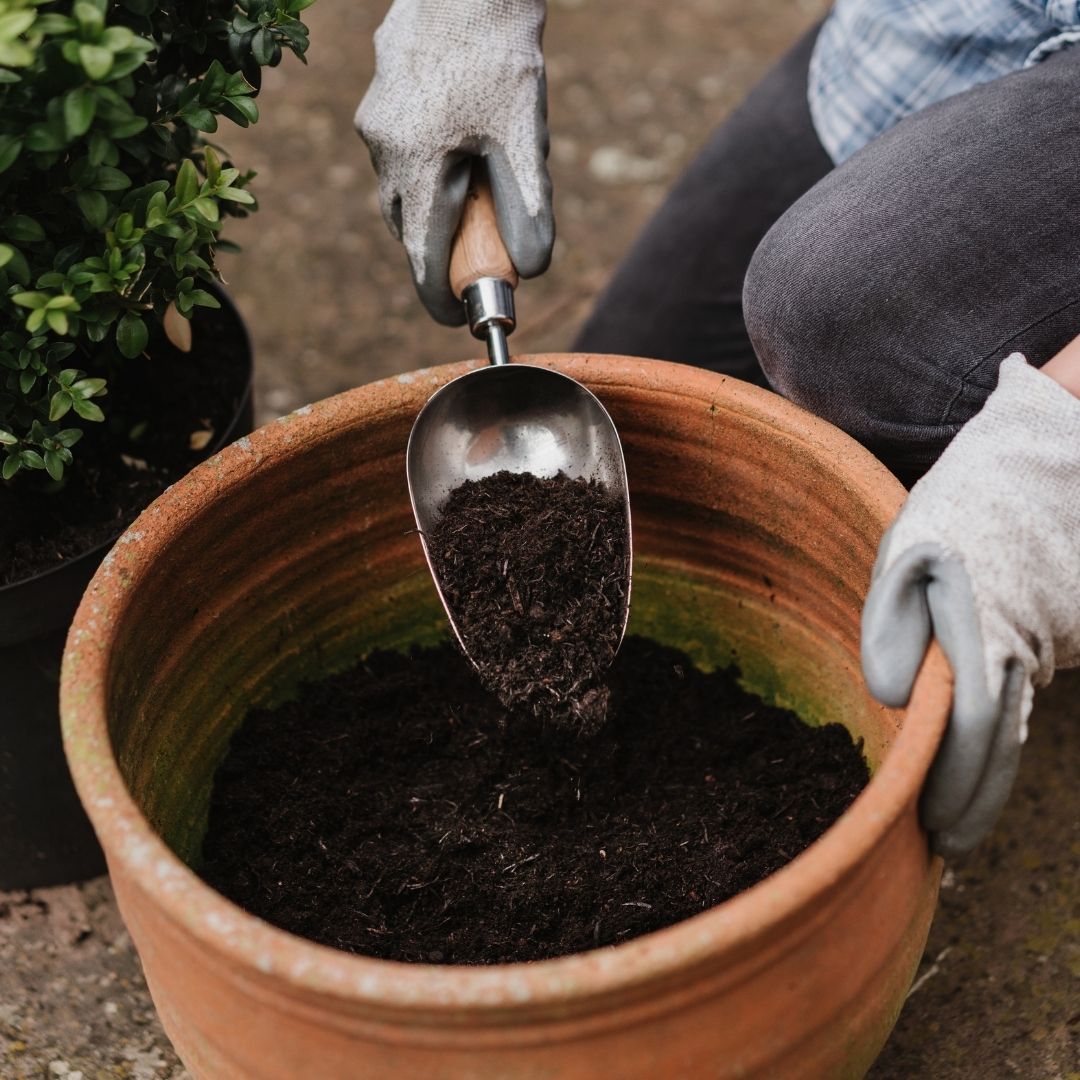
(291, 553)
(45, 838)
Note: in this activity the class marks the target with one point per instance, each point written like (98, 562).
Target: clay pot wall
(291, 552)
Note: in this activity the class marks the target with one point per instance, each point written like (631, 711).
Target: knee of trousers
(827, 339)
(800, 305)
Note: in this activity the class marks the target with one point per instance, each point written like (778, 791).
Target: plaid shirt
(877, 61)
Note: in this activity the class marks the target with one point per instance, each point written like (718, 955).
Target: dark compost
(395, 810)
(535, 572)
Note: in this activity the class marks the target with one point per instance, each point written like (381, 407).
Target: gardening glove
(455, 79)
(984, 556)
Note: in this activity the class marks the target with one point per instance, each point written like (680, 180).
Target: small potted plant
(122, 364)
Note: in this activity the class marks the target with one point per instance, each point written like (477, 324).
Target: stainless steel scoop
(517, 417)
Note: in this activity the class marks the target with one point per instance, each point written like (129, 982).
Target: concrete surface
(635, 86)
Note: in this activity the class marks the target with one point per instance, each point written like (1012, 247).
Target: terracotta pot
(291, 552)
(45, 838)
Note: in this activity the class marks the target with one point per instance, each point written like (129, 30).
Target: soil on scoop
(154, 407)
(535, 571)
(395, 810)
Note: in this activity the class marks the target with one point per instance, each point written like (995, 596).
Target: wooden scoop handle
(478, 250)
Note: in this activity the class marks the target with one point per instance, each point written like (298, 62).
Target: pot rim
(245, 942)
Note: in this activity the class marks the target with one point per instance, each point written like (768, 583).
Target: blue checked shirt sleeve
(1059, 12)
(877, 61)
(1064, 14)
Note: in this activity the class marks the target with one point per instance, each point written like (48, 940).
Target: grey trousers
(882, 294)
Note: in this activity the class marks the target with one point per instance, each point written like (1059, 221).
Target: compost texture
(396, 810)
(536, 571)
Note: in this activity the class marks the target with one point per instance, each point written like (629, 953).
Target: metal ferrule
(489, 300)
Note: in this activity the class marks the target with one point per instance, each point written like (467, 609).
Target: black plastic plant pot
(45, 838)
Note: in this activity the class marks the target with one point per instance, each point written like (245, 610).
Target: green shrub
(111, 199)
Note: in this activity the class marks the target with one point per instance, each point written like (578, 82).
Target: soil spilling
(535, 571)
(164, 413)
(396, 810)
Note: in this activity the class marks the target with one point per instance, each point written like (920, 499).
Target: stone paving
(635, 87)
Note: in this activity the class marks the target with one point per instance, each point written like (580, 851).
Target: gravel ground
(327, 295)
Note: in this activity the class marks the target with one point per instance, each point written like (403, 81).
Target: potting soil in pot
(535, 571)
(399, 811)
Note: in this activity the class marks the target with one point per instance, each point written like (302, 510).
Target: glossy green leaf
(212, 164)
(98, 148)
(87, 388)
(118, 38)
(96, 60)
(90, 17)
(236, 195)
(94, 207)
(15, 23)
(129, 126)
(207, 208)
(187, 182)
(200, 118)
(109, 179)
(54, 23)
(131, 335)
(80, 105)
(54, 464)
(18, 269)
(88, 410)
(59, 352)
(262, 46)
(202, 298)
(59, 405)
(22, 229)
(45, 138)
(246, 107)
(31, 299)
(156, 210)
(69, 436)
(10, 148)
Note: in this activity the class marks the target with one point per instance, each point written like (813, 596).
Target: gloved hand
(984, 556)
(456, 79)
